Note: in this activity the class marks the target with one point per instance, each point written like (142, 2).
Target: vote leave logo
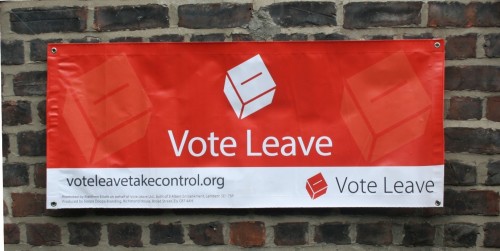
(316, 186)
(249, 87)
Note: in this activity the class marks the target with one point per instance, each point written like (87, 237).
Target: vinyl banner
(245, 125)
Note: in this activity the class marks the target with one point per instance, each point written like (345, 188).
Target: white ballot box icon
(249, 87)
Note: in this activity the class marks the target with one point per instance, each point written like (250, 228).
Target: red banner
(230, 106)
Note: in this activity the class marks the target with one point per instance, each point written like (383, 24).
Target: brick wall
(469, 219)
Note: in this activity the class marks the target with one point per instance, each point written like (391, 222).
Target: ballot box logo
(249, 87)
(385, 106)
(316, 186)
(106, 109)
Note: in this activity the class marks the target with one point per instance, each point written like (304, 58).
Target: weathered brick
(126, 40)
(40, 175)
(217, 37)
(331, 36)
(334, 232)
(442, 14)
(464, 108)
(5, 145)
(241, 37)
(16, 112)
(303, 14)
(38, 48)
(472, 140)
(374, 233)
(473, 202)
(31, 143)
(493, 108)
(455, 14)
(124, 234)
(379, 37)
(167, 38)
(5, 209)
(44, 20)
(426, 35)
(12, 52)
(247, 234)
(114, 18)
(419, 234)
(171, 233)
(290, 233)
(84, 233)
(290, 37)
(207, 234)
(386, 14)
(461, 47)
(459, 174)
(216, 15)
(86, 39)
(460, 235)
(492, 234)
(43, 234)
(15, 174)
(473, 77)
(41, 107)
(32, 83)
(28, 204)
(492, 45)
(391, 212)
(11, 234)
(493, 173)
(487, 14)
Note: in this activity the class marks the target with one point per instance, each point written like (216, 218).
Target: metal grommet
(437, 203)
(437, 44)
(53, 204)
(53, 50)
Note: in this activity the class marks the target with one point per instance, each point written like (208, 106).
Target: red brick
(291, 233)
(38, 49)
(473, 202)
(31, 143)
(43, 234)
(381, 14)
(28, 204)
(493, 108)
(461, 47)
(374, 233)
(454, 14)
(492, 234)
(207, 234)
(41, 111)
(16, 112)
(40, 175)
(464, 108)
(32, 83)
(114, 18)
(473, 77)
(11, 234)
(216, 15)
(247, 234)
(5, 145)
(5, 209)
